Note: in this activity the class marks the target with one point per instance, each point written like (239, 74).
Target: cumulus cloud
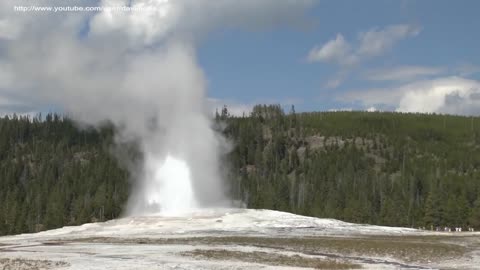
(371, 43)
(377, 41)
(452, 95)
(336, 51)
(402, 73)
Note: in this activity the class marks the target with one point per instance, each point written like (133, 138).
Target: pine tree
(474, 219)
(433, 210)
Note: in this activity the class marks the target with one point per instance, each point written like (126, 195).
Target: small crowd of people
(447, 229)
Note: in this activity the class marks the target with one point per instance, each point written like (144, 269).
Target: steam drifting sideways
(138, 70)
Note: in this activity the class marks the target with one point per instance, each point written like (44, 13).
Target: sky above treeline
(402, 55)
(419, 56)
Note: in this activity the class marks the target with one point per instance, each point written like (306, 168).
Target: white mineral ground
(163, 242)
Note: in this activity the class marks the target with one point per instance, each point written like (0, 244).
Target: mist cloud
(137, 70)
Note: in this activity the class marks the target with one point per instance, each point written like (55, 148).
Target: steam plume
(137, 70)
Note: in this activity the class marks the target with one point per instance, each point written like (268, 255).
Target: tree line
(414, 170)
(367, 167)
(52, 174)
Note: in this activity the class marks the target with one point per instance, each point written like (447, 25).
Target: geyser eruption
(169, 185)
(137, 70)
(181, 151)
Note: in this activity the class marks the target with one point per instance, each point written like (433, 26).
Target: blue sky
(248, 67)
(319, 55)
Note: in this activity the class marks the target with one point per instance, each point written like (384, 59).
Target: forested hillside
(52, 174)
(379, 168)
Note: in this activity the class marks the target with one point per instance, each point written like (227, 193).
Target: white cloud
(372, 97)
(28, 114)
(402, 73)
(371, 109)
(453, 95)
(7, 30)
(189, 19)
(377, 41)
(9, 105)
(4, 101)
(336, 51)
(337, 79)
(5, 75)
(467, 69)
(334, 82)
(370, 44)
(234, 108)
(341, 110)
